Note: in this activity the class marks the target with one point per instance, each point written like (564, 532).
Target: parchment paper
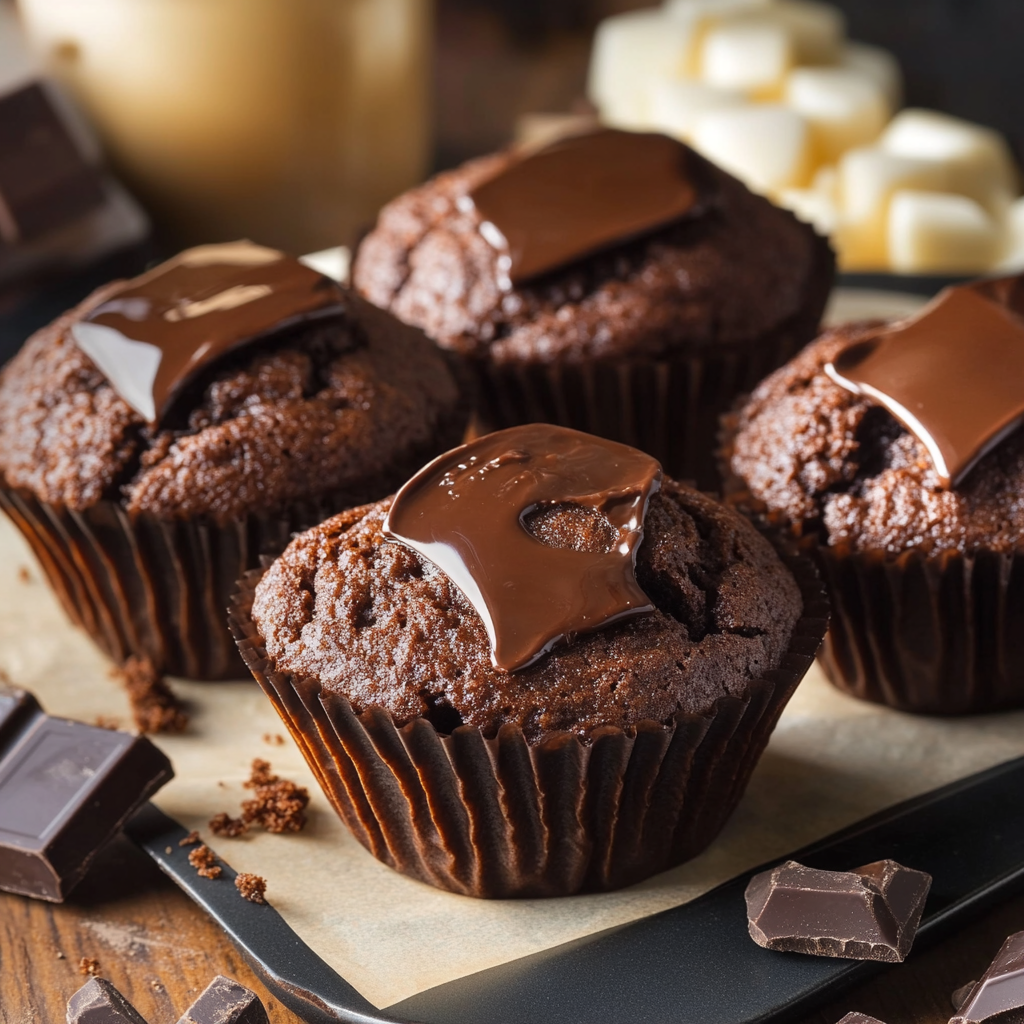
(831, 761)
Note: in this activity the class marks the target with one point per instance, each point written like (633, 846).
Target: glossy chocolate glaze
(466, 512)
(580, 195)
(952, 375)
(157, 331)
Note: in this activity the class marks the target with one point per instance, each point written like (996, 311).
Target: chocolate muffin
(160, 437)
(919, 531)
(614, 282)
(475, 735)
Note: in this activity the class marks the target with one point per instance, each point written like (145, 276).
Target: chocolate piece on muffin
(159, 438)
(920, 531)
(644, 333)
(616, 750)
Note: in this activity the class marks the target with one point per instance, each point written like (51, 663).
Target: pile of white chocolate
(772, 91)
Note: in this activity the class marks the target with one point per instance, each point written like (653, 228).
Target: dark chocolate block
(225, 1002)
(869, 913)
(98, 1002)
(999, 994)
(856, 1017)
(66, 788)
(45, 182)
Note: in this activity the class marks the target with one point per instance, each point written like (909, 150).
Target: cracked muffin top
(373, 621)
(342, 408)
(738, 270)
(839, 466)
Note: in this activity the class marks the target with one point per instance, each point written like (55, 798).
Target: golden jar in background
(286, 121)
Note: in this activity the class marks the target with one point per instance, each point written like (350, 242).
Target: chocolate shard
(45, 182)
(465, 513)
(962, 994)
(998, 995)
(224, 1001)
(856, 1017)
(66, 788)
(869, 913)
(98, 1002)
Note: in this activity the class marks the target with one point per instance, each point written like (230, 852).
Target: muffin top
(838, 464)
(735, 268)
(372, 620)
(320, 407)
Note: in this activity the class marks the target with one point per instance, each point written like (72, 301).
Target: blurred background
(292, 121)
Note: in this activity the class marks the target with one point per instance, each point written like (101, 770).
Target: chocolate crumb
(24, 576)
(60, 955)
(274, 739)
(224, 825)
(105, 722)
(89, 965)
(278, 805)
(190, 840)
(154, 706)
(204, 860)
(168, 849)
(252, 887)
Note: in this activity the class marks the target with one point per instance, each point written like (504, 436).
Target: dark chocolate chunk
(580, 195)
(66, 788)
(98, 1002)
(160, 329)
(225, 1002)
(869, 913)
(962, 994)
(953, 376)
(999, 994)
(465, 512)
(856, 1017)
(45, 182)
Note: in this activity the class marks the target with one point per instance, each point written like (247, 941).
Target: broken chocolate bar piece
(98, 1002)
(45, 182)
(999, 994)
(962, 994)
(869, 913)
(66, 788)
(225, 1002)
(856, 1017)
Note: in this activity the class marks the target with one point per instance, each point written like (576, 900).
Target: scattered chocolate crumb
(278, 805)
(105, 722)
(222, 784)
(89, 965)
(190, 840)
(224, 825)
(204, 860)
(168, 849)
(156, 986)
(154, 706)
(274, 739)
(252, 887)
(60, 955)
(24, 576)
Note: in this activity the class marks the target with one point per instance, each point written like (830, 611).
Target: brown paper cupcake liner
(940, 634)
(669, 408)
(505, 816)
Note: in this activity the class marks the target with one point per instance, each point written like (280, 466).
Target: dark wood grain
(150, 940)
(161, 951)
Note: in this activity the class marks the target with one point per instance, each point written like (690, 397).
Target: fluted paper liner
(935, 634)
(667, 407)
(505, 816)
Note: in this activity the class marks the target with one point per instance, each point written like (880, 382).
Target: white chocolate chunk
(978, 159)
(1012, 260)
(632, 52)
(940, 233)
(677, 106)
(765, 145)
(813, 207)
(879, 65)
(746, 54)
(816, 29)
(843, 108)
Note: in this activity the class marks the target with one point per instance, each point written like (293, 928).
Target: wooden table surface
(161, 950)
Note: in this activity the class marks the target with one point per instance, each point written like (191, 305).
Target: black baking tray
(694, 964)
